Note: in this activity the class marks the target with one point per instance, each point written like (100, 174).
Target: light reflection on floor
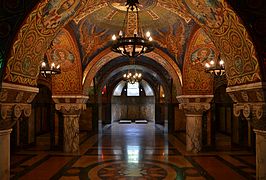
(132, 151)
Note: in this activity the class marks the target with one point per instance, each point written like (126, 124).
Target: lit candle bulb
(120, 33)
(113, 37)
(43, 64)
(53, 66)
(148, 34)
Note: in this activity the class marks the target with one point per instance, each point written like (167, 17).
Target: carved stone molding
(11, 112)
(255, 112)
(255, 92)
(70, 108)
(70, 104)
(194, 104)
(12, 93)
(194, 108)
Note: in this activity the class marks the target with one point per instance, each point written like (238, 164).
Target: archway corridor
(132, 151)
(179, 121)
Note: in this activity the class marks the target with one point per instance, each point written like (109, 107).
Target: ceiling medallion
(125, 43)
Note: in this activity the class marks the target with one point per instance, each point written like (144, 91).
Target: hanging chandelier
(48, 70)
(125, 43)
(132, 76)
(216, 69)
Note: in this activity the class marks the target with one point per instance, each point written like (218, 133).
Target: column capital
(255, 92)
(15, 101)
(11, 112)
(12, 93)
(70, 105)
(70, 108)
(250, 100)
(5, 132)
(194, 104)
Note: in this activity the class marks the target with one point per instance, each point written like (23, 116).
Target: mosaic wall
(34, 38)
(64, 51)
(200, 51)
(11, 16)
(219, 21)
(230, 37)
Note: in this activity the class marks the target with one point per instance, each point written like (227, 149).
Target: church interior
(128, 89)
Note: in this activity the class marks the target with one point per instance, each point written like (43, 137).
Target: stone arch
(104, 57)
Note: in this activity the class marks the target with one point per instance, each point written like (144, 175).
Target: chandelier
(132, 76)
(128, 45)
(48, 70)
(216, 69)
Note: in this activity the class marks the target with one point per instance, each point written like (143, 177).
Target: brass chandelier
(132, 76)
(48, 70)
(216, 69)
(136, 45)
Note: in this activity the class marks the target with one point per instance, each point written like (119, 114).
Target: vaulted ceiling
(81, 31)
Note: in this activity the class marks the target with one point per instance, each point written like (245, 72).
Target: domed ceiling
(91, 24)
(95, 27)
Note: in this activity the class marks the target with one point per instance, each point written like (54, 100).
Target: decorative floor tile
(137, 152)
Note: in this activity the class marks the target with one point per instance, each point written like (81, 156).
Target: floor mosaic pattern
(134, 152)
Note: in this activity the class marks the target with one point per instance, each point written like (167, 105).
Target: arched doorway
(133, 103)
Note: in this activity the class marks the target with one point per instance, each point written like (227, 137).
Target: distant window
(133, 89)
(119, 88)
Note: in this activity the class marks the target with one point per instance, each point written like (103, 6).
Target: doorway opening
(133, 103)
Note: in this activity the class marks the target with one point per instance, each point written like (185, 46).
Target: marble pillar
(193, 107)
(193, 132)
(71, 108)
(260, 154)
(71, 133)
(5, 154)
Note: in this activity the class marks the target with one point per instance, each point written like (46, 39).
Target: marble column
(5, 154)
(193, 132)
(71, 133)
(193, 107)
(70, 107)
(71, 113)
(260, 154)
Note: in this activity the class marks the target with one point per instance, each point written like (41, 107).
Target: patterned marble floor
(134, 152)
